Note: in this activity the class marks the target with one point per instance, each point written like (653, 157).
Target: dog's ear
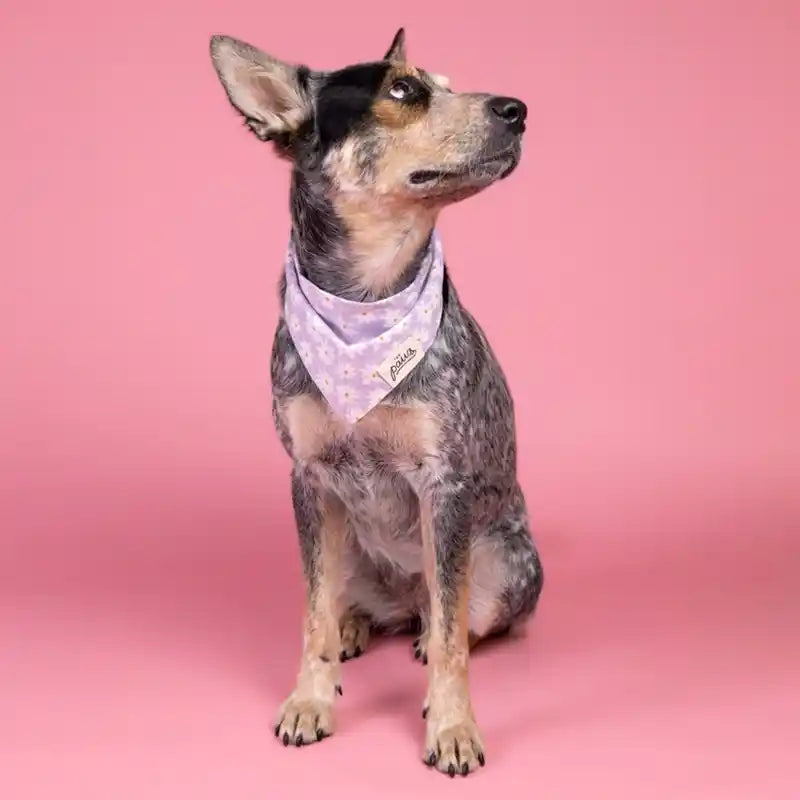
(272, 96)
(397, 50)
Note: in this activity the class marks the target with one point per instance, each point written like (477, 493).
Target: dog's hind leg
(506, 577)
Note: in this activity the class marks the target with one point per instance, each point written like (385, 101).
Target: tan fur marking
(400, 71)
(311, 426)
(397, 115)
(487, 577)
(409, 432)
(406, 431)
(383, 239)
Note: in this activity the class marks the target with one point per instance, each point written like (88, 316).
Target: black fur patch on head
(346, 99)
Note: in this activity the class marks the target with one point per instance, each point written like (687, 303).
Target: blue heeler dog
(408, 507)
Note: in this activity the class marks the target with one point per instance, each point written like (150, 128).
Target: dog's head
(385, 129)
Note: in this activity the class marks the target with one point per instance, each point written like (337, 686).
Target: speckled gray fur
(478, 501)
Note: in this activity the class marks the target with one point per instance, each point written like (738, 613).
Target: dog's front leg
(453, 742)
(306, 716)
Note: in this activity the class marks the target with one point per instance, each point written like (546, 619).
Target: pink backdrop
(645, 309)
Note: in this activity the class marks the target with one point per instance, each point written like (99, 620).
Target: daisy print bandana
(356, 353)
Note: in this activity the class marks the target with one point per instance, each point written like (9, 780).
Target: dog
(408, 508)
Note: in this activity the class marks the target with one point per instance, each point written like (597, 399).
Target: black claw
(415, 644)
(285, 739)
(343, 656)
(481, 759)
(299, 740)
(277, 730)
(320, 734)
(431, 758)
(425, 659)
(451, 771)
(359, 651)
(417, 654)
(465, 768)
(425, 712)
(339, 690)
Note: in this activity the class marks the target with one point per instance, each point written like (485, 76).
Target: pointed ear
(272, 96)
(397, 50)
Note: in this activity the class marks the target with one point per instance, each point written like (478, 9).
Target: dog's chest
(372, 465)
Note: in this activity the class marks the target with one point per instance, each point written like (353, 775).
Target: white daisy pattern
(345, 345)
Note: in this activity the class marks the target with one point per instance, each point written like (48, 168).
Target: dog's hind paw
(355, 635)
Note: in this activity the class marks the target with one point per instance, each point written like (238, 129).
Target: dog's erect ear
(272, 96)
(397, 50)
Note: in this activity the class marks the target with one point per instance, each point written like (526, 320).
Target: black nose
(510, 111)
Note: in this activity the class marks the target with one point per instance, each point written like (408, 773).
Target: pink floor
(638, 277)
(147, 657)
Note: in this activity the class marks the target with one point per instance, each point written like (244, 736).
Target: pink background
(645, 309)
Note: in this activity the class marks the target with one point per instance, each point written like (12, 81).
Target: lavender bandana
(356, 353)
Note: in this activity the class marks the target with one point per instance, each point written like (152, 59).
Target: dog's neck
(352, 246)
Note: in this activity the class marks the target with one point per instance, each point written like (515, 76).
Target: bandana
(356, 353)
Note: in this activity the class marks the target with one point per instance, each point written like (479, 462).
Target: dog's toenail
(481, 759)
(451, 771)
(277, 729)
(320, 734)
(424, 712)
(299, 740)
(339, 690)
(425, 659)
(417, 654)
(465, 768)
(359, 651)
(431, 758)
(285, 739)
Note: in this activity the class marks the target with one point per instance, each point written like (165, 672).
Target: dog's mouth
(421, 176)
(494, 167)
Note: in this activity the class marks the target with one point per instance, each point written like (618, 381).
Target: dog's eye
(401, 90)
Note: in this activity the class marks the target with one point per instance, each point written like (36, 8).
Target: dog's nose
(510, 111)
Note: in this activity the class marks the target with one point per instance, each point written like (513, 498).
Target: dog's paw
(454, 747)
(355, 635)
(420, 647)
(303, 720)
